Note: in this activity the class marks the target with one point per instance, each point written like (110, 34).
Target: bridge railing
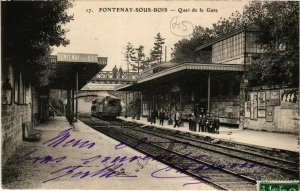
(112, 77)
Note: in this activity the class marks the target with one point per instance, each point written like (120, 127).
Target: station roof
(68, 64)
(172, 73)
(250, 27)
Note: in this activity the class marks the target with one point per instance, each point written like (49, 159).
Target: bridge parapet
(115, 78)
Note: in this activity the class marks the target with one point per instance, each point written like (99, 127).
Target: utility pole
(165, 53)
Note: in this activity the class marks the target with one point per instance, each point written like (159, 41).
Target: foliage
(138, 57)
(128, 52)
(226, 25)
(57, 103)
(135, 57)
(29, 29)
(275, 68)
(184, 50)
(279, 35)
(156, 53)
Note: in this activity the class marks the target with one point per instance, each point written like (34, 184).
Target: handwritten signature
(62, 139)
(180, 27)
(114, 166)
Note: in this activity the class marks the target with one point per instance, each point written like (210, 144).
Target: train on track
(106, 107)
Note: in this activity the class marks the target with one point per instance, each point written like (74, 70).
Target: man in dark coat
(115, 71)
(191, 120)
(216, 124)
(153, 116)
(120, 72)
(207, 123)
(161, 116)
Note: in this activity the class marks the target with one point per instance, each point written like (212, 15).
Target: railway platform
(83, 158)
(270, 140)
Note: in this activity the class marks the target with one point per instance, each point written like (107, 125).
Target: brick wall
(12, 118)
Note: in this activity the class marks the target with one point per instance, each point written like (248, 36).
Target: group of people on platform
(161, 115)
(207, 122)
(117, 73)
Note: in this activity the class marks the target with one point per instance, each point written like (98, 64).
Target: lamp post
(6, 93)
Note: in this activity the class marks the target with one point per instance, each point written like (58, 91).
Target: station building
(217, 84)
(23, 102)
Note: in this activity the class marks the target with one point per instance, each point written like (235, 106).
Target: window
(112, 103)
(228, 48)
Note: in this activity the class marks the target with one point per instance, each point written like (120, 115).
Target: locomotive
(108, 107)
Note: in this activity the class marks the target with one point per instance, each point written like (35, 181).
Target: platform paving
(251, 137)
(34, 164)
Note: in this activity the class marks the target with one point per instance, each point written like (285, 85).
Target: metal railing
(116, 78)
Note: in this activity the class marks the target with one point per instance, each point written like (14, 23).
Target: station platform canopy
(69, 65)
(180, 72)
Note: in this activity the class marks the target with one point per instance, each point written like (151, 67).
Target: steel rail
(116, 136)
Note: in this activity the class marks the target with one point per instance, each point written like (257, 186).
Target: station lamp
(6, 93)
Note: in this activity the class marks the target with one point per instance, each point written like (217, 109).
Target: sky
(100, 28)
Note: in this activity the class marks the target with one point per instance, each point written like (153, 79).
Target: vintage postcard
(150, 95)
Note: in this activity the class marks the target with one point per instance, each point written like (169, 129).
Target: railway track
(174, 147)
(274, 154)
(285, 165)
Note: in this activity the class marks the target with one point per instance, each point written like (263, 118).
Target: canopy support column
(68, 107)
(76, 97)
(126, 104)
(141, 108)
(72, 111)
(180, 101)
(208, 93)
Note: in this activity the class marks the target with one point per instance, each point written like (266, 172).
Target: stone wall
(283, 115)
(12, 117)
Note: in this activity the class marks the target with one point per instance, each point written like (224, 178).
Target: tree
(226, 25)
(279, 36)
(184, 50)
(278, 24)
(27, 36)
(138, 57)
(128, 51)
(156, 52)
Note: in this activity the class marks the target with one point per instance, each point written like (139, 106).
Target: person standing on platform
(153, 116)
(191, 120)
(115, 71)
(207, 123)
(120, 72)
(161, 116)
(213, 124)
(217, 124)
(201, 123)
(194, 125)
(176, 119)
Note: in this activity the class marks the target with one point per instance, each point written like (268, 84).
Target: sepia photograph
(150, 95)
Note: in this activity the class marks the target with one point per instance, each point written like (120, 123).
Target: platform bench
(29, 134)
